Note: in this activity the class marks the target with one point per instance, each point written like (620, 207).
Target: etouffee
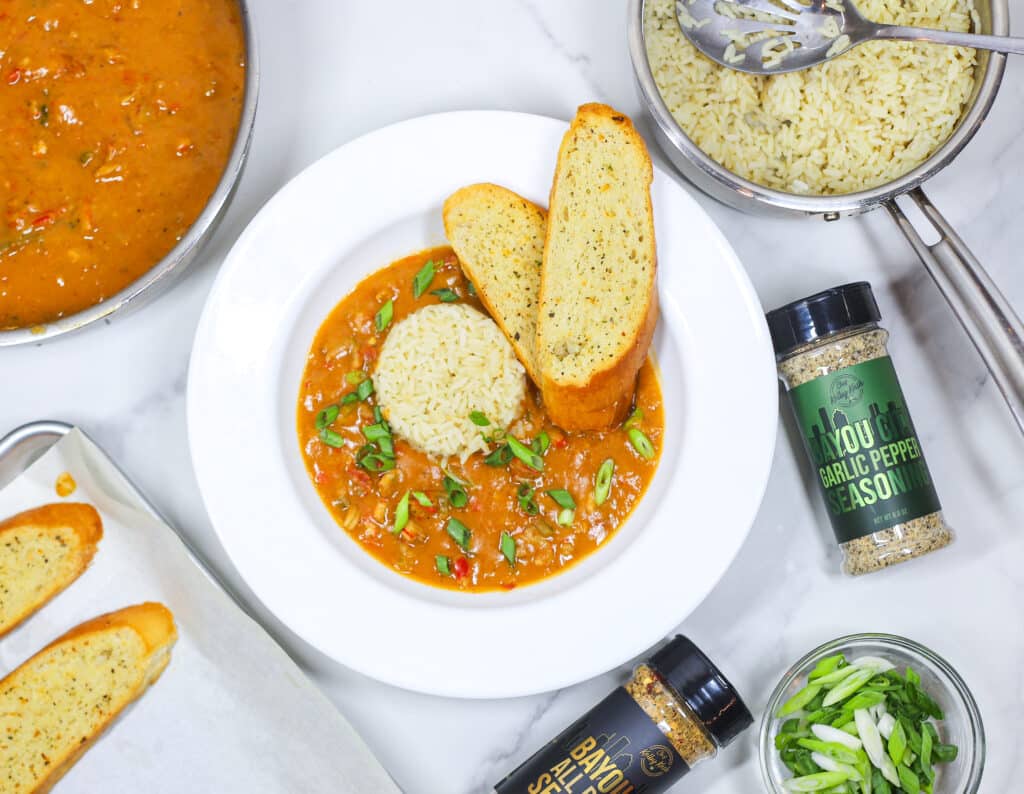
(118, 118)
(535, 502)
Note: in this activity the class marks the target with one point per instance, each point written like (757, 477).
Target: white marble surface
(334, 69)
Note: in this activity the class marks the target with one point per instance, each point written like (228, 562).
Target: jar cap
(820, 315)
(685, 668)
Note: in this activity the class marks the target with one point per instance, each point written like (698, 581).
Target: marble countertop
(334, 69)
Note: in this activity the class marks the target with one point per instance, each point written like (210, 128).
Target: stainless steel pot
(165, 272)
(988, 318)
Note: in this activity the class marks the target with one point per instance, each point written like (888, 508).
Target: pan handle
(987, 317)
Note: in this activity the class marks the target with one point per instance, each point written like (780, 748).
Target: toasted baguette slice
(598, 304)
(42, 551)
(56, 704)
(499, 239)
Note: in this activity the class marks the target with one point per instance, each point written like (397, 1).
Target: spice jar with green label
(850, 410)
(676, 711)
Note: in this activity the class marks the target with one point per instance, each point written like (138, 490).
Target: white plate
(370, 202)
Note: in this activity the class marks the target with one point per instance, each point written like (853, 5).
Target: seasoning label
(868, 460)
(613, 749)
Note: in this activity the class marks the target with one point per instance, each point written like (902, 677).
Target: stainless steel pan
(176, 263)
(988, 318)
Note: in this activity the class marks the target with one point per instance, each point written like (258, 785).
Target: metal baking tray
(20, 448)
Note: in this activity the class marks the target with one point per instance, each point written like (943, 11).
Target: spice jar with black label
(676, 711)
(850, 411)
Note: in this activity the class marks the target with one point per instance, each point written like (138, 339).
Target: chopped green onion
(634, 419)
(349, 398)
(445, 295)
(85, 158)
(834, 750)
(402, 513)
(799, 700)
(641, 443)
(826, 666)
(497, 436)
(563, 498)
(444, 566)
(479, 419)
(525, 454)
(897, 744)
(508, 548)
(365, 389)
(500, 457)
(355, 377)
(422, 498)
(541, 443)
(458, 532)
(327, 416)
(603, 482)
(376, 432)
(471, 289)
(829, 734)
(909, 782)
(866, 699)
(457, 495)
(848, 686)
(330, 438)
(422, 280)
(371, 460)
(926, 753)
(819, 781)
(384, 315)
(387, 446)
(526, 500)
(566, 517)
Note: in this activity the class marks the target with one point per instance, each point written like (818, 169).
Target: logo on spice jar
(656, 760)
(846, 390)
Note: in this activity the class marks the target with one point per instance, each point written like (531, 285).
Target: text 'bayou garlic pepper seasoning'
(676, 711)
(854, 421)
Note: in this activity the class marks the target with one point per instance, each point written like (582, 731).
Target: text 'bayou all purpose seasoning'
(855, 424)
(676, 711)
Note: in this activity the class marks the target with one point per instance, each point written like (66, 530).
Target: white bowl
(370, 202)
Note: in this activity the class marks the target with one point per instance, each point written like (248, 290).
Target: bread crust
(154, 624)
(605, 399)
(497, 193)
(82, 519)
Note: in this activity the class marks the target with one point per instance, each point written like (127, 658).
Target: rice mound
(851, 124)
(436, 367)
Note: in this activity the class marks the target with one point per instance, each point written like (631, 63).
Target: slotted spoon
(775, 36)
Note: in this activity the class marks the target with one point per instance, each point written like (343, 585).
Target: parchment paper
(232, 712)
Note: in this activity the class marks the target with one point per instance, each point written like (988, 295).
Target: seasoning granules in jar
(854, 421)
(676, 711)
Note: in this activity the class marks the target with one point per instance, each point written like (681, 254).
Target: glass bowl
(961, 727)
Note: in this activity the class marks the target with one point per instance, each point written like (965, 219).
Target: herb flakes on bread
(55, 705)
(499, 239)
(42, 551)
(598, 301)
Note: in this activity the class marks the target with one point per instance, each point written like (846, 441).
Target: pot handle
(987, 317)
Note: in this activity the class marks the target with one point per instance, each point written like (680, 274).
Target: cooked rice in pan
(859, 121)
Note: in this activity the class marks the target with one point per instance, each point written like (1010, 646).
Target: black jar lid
(685, 668)
(821, 315)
